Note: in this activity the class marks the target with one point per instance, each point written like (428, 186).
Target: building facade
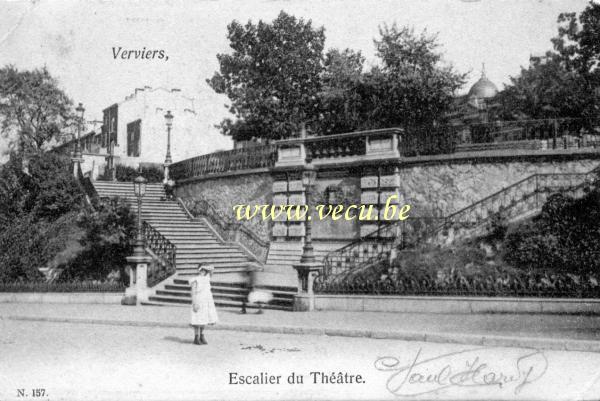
(134, 131)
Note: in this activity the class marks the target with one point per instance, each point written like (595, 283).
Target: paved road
(575, 327)
(87, 361)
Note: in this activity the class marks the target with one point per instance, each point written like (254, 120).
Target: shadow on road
(179, 340)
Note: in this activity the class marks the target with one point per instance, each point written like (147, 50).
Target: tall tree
(341, 100)
(271, 78)
(566, 81)
(414, 88)
(33, 109)
(545, 89)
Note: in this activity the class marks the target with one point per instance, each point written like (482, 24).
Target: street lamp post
(309, 176)
(139, 188)
(77, 154)
(308, 267)
(138, 274)
(168, 160)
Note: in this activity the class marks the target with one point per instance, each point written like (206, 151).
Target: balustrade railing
(560, 133)
(225, 161)
(166, 252)
(335, 146)
(228, 228)
(525, 196)
(397, 142)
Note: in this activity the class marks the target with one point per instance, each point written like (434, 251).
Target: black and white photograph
(299, 200)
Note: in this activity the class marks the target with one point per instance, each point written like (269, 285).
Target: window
(110, 124)
(133, 138)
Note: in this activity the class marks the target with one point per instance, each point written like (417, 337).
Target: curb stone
(452, 338)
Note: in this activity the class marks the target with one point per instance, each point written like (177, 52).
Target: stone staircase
(196, 242)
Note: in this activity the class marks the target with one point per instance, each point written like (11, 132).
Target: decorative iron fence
(376, 245)
(428, 141)
(225, 161)
(228, 228)
(493, 284)
(165, 263)
(82, 286)
(540, 134)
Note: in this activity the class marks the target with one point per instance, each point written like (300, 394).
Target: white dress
(207, 313)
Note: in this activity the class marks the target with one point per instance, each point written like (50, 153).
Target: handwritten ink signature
(460, 369)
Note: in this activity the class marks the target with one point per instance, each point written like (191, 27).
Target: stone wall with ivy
(226, 192)
(443, 188)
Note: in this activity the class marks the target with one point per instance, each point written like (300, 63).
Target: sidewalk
(558, 332)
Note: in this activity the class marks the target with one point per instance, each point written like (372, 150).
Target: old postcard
(299, 200)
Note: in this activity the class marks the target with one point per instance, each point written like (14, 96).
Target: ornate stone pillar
(137, 292)
(380, 189)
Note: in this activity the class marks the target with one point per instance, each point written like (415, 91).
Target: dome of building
(483, 89)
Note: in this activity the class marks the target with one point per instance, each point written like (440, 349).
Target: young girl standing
(203, 305)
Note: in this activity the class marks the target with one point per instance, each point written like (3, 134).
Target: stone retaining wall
(432, 185)
(442, 188)
(230, 190)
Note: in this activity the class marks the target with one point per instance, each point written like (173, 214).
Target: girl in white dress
(203, 305)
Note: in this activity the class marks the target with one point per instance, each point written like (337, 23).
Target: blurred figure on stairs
(255, 296)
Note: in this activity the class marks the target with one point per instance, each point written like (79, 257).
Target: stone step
(211, 259)
(185, 233)
(167, 301)
(225, 253)
(187, 227)
(280, 294)
(188, 265)
(182, 256)
(194, 239)
(161, 210)
(130, 196)
(187, 237)
(199, 244)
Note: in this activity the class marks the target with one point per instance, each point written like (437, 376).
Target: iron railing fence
(523, 284)
(165, 265)
(225, 161)
(228, 227)
(80, 286)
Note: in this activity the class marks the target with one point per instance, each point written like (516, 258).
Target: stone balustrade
(361, 145)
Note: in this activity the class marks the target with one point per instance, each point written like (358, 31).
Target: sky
(76, 39)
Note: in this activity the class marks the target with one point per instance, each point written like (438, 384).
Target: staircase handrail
(86, 186)
(166, 262)
(386, 244)
(514, 185)
(229, 228)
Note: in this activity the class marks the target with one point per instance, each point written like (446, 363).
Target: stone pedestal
(138, 280)
(76, 165)
(304, 300)
(166, 172)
